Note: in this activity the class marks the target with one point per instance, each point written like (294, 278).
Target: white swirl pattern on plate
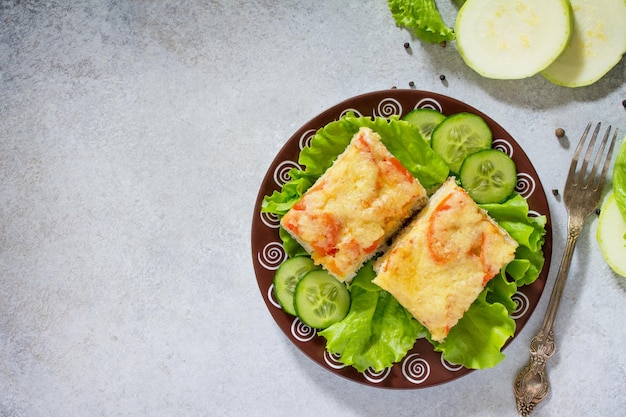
(270, 297)
(376, 377)
(503, 146)
(450, 366)
(281, 173)
(429, 103)
(332, 360)
(270, 220)
(522, 305)
(272, 256)
(388, 107)
(525, 185)
(415, 369)
(305, 138)
(302, 332)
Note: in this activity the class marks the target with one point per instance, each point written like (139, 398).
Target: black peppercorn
(624, 103)
(407, 45)
(411, 83)
(442, 77)
(555, 192)
(559, 133)
(598, 211)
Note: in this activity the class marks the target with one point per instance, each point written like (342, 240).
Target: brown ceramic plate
(422, 366)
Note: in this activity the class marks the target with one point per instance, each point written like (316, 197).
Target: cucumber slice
(506, 39)
(287, 276)
(597, 44)
(488, 176)
(611, 236)
(321, 300)
(458, 136)
(426, 121)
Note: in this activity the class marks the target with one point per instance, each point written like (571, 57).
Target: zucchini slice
(597, 43)
(512, 39)
(610, 236)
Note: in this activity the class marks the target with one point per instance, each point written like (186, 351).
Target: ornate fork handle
(531, 384)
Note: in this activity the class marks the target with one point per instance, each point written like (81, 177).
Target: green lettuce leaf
(619, 179)
(423, 18)
(528, 231)
(281, 201)
(501, 290)
(377, 332)
(477, 339)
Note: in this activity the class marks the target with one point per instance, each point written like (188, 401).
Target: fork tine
(598, 181)
(591, 179)
(582, 174)
(574, 163)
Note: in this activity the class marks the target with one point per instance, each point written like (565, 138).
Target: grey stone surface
(133, 138)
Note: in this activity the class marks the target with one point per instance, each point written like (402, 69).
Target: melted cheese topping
(359, 202)
(439, 265)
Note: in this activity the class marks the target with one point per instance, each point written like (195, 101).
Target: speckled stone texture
(133, 139)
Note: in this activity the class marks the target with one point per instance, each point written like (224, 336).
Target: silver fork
(581, 196)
